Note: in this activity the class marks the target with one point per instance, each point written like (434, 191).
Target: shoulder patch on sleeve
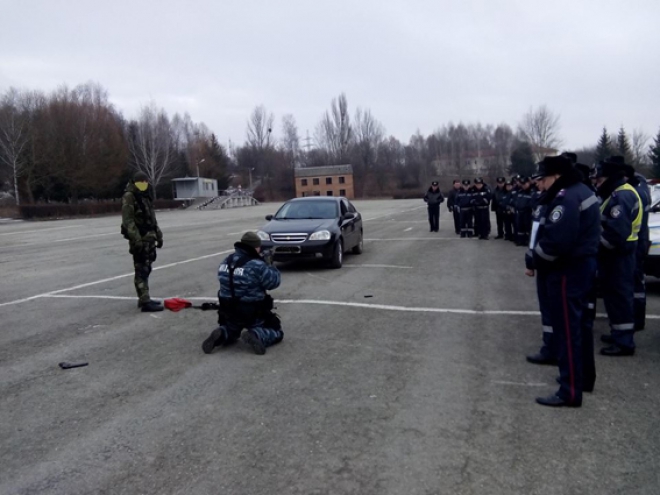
(556, 214)
(615, 212)
(561, 193)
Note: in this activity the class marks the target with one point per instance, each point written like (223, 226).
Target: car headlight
(263, 236)
(321, 235)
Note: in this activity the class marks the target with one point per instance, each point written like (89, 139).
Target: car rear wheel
(360, 245)
(337, 255)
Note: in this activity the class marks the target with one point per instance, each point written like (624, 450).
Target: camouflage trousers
(268, 328)
(142, 261)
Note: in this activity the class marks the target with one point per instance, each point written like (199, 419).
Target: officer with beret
(496, 205)
(140, 228)
(564, 247)
(453, 206)
(464, 202)
(433, 199)
(621, 217)
(245, 276)
(480, 201)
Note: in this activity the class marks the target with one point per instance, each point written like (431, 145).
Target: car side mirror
(348, 216)
(269, 217)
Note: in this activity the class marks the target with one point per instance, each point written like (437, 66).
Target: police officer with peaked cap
(433, 199)
(453, 207)
(496, 205)
(481, 196)
(621, 218)
(464, 202)
(564, 248)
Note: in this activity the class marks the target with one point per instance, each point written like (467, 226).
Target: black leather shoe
(151, 307)
(541, 359)
(498, 237)
(606, 339)
(556, 401)
(584, 389)
(214, 340)
(615, 350)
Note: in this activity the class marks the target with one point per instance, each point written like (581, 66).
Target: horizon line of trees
(73, 144)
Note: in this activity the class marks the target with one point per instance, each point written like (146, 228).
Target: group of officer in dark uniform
(586, 230)
(512, 201)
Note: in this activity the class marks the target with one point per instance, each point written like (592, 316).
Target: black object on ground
(66, 366)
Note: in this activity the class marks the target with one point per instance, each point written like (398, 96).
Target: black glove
(159, 243)
(267, 256)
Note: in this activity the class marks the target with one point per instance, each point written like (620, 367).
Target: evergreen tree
(522, 160)
(654, 155)
(604, 148)
(623, 146)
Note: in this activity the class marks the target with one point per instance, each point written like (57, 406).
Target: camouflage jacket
(252, 280)
(138, 218)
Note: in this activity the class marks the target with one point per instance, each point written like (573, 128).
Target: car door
(357, 222)
(348, 226)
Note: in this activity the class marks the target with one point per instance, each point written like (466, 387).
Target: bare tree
(639, 149)
(540, 128)
(153, 143)
(259, 127)
(368, 135)
(334, 132)
(14, 134)
(290, 142)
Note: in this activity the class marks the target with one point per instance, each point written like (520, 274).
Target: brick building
(335, 180)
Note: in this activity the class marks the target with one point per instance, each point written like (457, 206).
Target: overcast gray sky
(417, 64)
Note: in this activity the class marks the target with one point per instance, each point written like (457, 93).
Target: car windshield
(296, 210)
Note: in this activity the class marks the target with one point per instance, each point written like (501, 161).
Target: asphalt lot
(422, 388)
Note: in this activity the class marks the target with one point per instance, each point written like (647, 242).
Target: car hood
(307, 225)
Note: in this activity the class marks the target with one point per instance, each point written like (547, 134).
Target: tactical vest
(637, 222)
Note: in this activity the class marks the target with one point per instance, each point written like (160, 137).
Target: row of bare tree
(72, 144)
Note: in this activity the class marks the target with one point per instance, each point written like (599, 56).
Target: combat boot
(151, 306)
(217, 338)
(252, 339)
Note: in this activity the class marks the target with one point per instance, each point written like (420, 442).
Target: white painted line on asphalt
(411, 309)
(40, 230)
(524, 384)
(110, 279)
(408, 229)
(392, 213)
(417, 239)
(378, 266)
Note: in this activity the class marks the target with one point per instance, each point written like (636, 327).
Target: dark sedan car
(322, 228)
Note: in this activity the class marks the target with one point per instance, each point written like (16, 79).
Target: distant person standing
(498, 196)
(433, 199)
(140, 228)
(464, 202)
(481, 201)
(508, 211)
(453, 207)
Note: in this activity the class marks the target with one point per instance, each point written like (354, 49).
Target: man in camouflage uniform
(245, 276)
(140, 228)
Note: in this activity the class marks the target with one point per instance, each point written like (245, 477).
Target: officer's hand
(159, 243)
(529, 273)
(267, 256)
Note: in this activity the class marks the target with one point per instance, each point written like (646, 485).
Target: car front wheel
(337, 255)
